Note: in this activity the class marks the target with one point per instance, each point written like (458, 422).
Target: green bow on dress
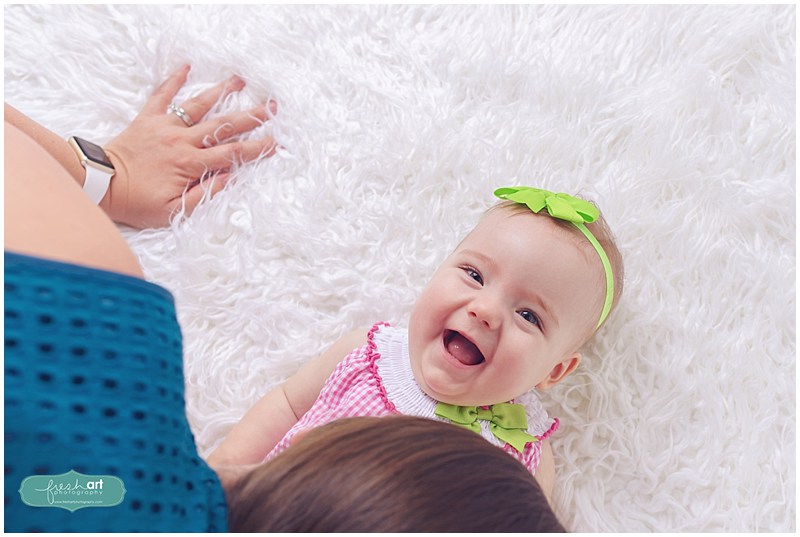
(508, 421)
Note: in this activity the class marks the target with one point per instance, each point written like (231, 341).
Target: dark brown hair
(391, 474)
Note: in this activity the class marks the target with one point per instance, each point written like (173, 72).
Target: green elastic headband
(565, 207)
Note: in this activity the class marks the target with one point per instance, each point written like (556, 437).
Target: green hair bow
(559, 205)
(571, 209)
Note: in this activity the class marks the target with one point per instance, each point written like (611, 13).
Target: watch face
(93, 152)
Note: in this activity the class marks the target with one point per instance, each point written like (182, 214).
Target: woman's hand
(158, 156)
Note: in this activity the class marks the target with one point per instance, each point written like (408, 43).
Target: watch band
(99, 169)
(96, 183)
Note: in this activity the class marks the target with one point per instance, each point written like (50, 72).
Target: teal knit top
(94, 383)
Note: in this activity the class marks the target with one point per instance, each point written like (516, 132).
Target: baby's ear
(559, 371)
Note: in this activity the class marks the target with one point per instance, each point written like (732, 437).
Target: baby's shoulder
(354, 346)
(353, 339)
(368, 338)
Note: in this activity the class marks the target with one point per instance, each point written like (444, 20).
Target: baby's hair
(600, 230)
(390, 474)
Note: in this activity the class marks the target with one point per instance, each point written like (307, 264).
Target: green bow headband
(565, 207)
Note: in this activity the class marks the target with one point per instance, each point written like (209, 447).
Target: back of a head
(392, 474)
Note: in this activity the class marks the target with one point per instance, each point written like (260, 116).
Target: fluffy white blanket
(397, 122)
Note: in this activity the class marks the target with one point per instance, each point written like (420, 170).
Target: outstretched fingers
(199, 105)
(164, 94)
(218, 130)
(196, 107)
(223, 156)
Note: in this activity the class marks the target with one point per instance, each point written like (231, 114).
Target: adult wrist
(115, 204)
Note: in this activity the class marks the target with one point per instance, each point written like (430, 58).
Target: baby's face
(505, 312)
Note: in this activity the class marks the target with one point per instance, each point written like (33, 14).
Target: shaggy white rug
(397, 123)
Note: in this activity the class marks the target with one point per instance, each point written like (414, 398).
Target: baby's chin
(443, 389)
(446, 392)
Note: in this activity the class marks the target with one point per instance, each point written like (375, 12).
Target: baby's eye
(474, 274)
(530, 317)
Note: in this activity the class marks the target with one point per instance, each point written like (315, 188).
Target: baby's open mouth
(462, 349)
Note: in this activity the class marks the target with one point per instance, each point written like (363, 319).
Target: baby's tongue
(463, 350)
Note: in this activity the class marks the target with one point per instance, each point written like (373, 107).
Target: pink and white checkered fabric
(356, 389)
(353, 389)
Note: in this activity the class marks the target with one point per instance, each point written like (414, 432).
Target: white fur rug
(397, 123)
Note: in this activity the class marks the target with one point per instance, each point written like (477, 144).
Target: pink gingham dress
(376, 380)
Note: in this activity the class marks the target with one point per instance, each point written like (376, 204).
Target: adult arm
(266, 423)
(158, 158)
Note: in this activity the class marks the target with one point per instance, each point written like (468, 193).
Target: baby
(508, 311)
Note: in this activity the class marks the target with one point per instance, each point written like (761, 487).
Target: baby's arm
(546, 471)
(273, 415)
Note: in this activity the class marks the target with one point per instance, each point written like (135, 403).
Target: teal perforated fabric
(94, 383)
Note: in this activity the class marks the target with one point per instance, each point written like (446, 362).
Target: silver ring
(181, 113)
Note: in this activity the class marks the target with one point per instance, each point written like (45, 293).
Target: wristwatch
(99, 169)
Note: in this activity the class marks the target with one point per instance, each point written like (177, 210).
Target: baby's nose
(485, 311)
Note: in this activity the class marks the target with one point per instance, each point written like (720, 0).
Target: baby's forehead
(530, 229)
(518, 219)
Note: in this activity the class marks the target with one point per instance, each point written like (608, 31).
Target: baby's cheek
(523, 377)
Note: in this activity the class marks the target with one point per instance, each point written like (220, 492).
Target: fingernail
(273, 107)
(238, 83)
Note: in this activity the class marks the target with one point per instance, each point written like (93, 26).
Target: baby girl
(506, 312)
